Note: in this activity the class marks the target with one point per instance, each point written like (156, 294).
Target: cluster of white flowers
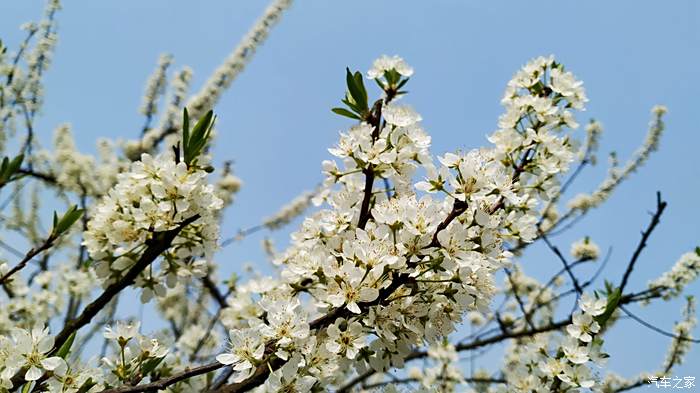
(166, 132)
(388, 63)
(236, 62)
(683, 272)
(179, 86)
(82, 173)
(227, 185)
(46, 298)
(22, 90)
(585, 250)
(538, 300)
(155, 87)
(290, 211)
(683, 331)
(134, 355)
(594, 129)
(27, 351)
(444, 373)
(584, 202)
(553, 363)
(399, 269)
(383, 273)
(156, 195)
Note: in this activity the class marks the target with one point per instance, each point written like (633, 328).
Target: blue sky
(275, 121)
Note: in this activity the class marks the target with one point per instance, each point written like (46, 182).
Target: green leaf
(346, 113)
(392, 77)
(27, 387)
(9, 168)
(86, 386)
(613, 300)
(351, 105)
(3, 168)
(64, 223)
(16, 163)
(356, 92)
(380, 83)
(150, 365)
(65, 348)
(185, 127)
(361, 86)
(197, 138)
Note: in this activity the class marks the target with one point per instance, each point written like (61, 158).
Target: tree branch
(163, 383)
(28, 257)
(160, 242)
(660, 207)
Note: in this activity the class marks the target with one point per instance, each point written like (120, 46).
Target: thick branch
(214, 291)
(156, 246)
(375, 120)
(163, 383)
(47, 177)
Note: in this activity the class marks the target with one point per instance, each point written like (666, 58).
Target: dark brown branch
(518, 299)
(157, 245)
(631, 386)
(458, 207)
(656, 329)
(48, 178)
(411, 380)
(28, 257)
(375, 120)
(567, 267)
(660, 207)
(214, 291)
(163, 383)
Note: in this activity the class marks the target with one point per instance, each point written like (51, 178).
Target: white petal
(52, 363)
(227, 358)
(33, 374)
(352, 306)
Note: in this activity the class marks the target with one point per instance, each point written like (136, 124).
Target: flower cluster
(584, 202)
(585, 250)
(683, 333)
(22, 93)
(136, 355)
(288, 212)
(389, 268)
(82, 173)
(237, 60)
(389, 63)
(539, 366)
(156, 195)
(227, 186)
(683, 272)
(404, 247)
(444, 374)
(27, 351)
(155, 87)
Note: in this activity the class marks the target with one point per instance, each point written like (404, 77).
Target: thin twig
(660, 207)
